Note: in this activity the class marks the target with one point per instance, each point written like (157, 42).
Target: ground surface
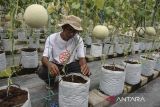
(39, 92)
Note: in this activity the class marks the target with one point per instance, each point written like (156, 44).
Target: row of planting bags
(112, 79)
(28, 58)
(110, 49)
(119, 45)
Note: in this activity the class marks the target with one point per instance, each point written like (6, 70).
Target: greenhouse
(79, 53)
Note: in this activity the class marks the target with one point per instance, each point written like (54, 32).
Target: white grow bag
(108, 49)
(147, 66)
(96, 50)
(112, 82)
(2, 61)
(7, 44)
(141, 46)
(133, 73)
(74, 94)
(119, 48)
(157, 58)
(28, 101)
(135, 46)
(29, 59)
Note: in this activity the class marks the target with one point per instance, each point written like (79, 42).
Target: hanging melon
(150, 31)
(36, 16)
(100, 32)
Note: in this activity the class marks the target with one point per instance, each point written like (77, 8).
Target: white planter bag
(7, 44)
(147, 66)
(108, 49)
(33, 42)
(148, 46)
(21, 36)
(112, 82)
(127, 47)
(29, 59)
(2, 61)
(28, 102)
(96, 50)
(133, 73)
(119, 48)
(74, 94)
(135, 46)
(88, 40)
(141, 46)
(157, 65)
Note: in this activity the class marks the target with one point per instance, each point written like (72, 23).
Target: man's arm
(52, 67)
(84, 66)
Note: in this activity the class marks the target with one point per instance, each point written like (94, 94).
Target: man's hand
(85, 70)
(84, 67)
(53, 69)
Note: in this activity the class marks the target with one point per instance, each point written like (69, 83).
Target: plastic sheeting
(74, 94)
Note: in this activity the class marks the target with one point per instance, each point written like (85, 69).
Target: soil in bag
(74, 78)
(16, 97)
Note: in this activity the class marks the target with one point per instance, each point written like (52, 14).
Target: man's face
(70, 31)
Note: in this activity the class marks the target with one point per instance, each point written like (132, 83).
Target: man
(64, 51)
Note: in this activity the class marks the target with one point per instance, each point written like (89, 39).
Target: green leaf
(99, 3)
(109, 10)
(75, 5)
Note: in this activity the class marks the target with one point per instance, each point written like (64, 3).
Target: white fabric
(112, 82)
(74, 94)
(56, 46)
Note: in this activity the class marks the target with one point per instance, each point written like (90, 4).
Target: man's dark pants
(42, 72)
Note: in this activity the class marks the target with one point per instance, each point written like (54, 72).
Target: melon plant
(100, 32)
(150, 31)
(36, 16)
